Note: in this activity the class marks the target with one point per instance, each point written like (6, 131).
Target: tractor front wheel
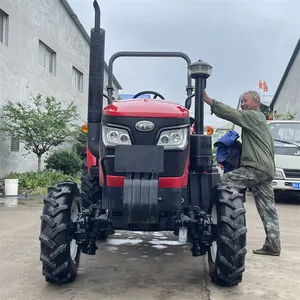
(60, 253)
(227, 253)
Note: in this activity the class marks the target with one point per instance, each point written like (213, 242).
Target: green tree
(40, 126)
(80, 144)
(285, 116)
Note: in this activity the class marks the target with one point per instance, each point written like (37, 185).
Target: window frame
(4, 18)
(42, 61)
(14, 144)
(78, 83)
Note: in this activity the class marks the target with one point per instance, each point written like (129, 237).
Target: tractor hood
(145, 107)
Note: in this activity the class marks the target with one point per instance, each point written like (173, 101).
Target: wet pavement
(135, 266)
(129, 266)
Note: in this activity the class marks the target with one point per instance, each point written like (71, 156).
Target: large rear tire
(60, 253)
(227, 254)
(91, 193)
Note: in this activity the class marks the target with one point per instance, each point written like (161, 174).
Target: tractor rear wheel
(227, 253)
(91, 193)
(60, 253)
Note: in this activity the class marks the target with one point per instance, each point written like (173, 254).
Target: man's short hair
(255, 95)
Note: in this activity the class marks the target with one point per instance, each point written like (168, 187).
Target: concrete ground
(267, 277)
(145, 266)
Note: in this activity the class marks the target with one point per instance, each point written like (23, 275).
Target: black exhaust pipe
(96, 82)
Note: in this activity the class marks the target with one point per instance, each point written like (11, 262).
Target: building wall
(289, 97)
(21, 75)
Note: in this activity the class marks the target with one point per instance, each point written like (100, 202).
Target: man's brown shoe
(264, 251)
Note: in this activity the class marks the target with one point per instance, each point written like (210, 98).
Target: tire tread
(54, 238)
(229, 266)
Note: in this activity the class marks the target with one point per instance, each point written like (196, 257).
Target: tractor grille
(291, 173)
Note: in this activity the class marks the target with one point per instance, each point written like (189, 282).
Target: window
(47, 57)
(3, 27)
(287, 131)
(14, 144)
(77, 79)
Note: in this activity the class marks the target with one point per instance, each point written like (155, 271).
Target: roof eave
(285, 74)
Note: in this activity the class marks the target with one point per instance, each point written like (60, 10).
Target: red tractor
(146, 171)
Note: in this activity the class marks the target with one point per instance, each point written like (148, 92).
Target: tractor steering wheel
(149, 92)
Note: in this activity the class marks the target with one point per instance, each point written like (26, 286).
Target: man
(257, 163)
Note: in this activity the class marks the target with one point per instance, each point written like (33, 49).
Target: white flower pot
(11, 187)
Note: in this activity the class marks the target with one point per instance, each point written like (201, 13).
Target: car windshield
(286, 131)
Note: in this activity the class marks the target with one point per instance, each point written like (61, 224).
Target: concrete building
(43, 49)
(287, 96)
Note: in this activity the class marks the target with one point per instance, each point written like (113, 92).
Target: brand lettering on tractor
(144, 126)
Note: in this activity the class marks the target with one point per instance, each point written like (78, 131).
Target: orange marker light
(208, 130)
(84, 128)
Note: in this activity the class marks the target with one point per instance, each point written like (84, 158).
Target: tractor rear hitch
(89, 224)
(200, 229)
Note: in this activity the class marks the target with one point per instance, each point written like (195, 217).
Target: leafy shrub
(285, 116)
(32, 180)
(80, 145)
(65, 161)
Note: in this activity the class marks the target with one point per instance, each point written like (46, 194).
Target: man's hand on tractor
(207, 99)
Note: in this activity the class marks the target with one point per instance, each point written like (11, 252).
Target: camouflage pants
(260, 183)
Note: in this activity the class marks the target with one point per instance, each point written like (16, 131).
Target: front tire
(227, 254)
(59, 251)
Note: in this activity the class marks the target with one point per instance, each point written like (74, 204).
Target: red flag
(260, 85)
(265, 87)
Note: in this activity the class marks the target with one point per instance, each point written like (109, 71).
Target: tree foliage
(285, 116)
(80, 144)
(40, 125)
(64, 161)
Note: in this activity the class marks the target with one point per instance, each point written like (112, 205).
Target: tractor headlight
(173, 138)
(112, 136)
(279, 174)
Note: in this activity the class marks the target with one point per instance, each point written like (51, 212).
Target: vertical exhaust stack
(201, 144)
(96, 82)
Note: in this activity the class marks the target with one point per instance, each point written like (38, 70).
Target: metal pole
(199, 105)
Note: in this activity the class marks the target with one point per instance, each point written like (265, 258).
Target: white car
(286, 136)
